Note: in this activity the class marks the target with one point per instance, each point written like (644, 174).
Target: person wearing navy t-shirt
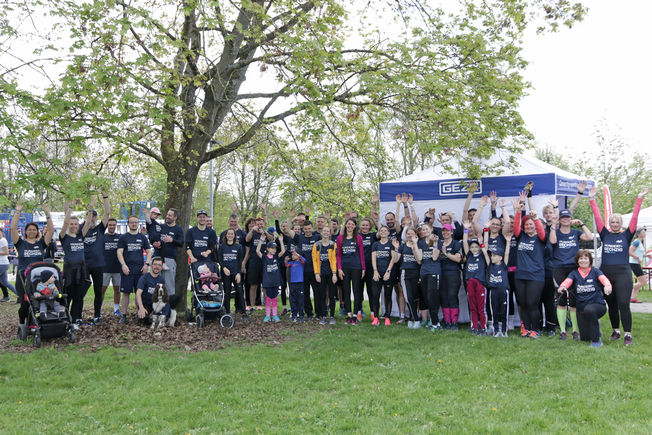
(74, 267)
(253, 264)
(130, 256)
(111, 275)
(530, 268)
(615, 263)
(145, 289)
(230, 255)
(351, 269)
(430, 276)
(94, 251)
(304, 243)
(588, 283)
(565, 242)
(476, 281)
(171, 239)
(28, 250)
(368, 239)
(240, 234)
(498, 285)
(411, 255)
(451, 280)
(152, 225)
(383, 262)
(200, 239)
(271, 276)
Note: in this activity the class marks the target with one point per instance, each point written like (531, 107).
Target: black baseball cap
(202, 211)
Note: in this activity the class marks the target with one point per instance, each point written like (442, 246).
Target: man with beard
(170, 241)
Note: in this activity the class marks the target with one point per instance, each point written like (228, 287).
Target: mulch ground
(184, 336)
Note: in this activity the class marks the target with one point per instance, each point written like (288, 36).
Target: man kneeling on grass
(155, 307)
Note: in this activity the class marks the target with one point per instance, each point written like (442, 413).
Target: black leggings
(547, 303)
(529, 294)
(449, 289)
(592, 314)
(23, 311)
(284, 285)
(321, 292)
(374, 300)
(229, 283)
(430, 288)
(410, 283)
(96, 274)
(76, 287)
(352, 277)
(620, 276)
(368, 282)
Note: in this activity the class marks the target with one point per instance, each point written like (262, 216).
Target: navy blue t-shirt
(496, 243)
(447, 265)
(29, 253)
(240, 236)
(153, 230)
(409, 261)
(256, 238)
(230, 257)
(567, 246)
(476, 267)
(271, 272)
(324, 261)
(383, 255)
(73, 249)
(615, 247)
(350, 254)
(530, 261)
(588, 290)
(199, 241)
(94, 245)
(111, 263)
(367, 242)
(428, 265)
(169, 250)
(147, 283)
(513, 244)
(132, 249)
(304, 248)
(497, 276)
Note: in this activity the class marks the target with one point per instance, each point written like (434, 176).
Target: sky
(595, 74)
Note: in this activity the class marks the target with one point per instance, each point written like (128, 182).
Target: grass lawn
(341, 379)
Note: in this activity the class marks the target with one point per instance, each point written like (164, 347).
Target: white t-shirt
(4, 259)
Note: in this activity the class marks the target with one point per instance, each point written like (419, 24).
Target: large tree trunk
(182, 176)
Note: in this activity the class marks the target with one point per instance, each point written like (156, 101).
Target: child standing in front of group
(476, 281)
(295, 283)
(498, 283)
(271, 277)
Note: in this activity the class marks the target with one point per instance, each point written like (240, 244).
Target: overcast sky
(598, 70)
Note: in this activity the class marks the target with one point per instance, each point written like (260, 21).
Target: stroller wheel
(200, 320)
(71, 336)
(37, 339)
(227, 321)
(22, 331)
(188, 316)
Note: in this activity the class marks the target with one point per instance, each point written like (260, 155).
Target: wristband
(556, 206)
(486, 230)
(466, 231)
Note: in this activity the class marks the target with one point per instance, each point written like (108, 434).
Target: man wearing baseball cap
(200, 239)
(170, 240)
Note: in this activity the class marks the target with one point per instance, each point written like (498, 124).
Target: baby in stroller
(47, 287)
(207, 279)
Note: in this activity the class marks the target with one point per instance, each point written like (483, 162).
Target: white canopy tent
(442, 188)
(644, 221)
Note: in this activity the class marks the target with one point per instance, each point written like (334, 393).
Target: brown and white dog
(160, 299)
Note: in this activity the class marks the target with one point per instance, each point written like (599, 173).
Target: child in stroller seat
(207, 279)
(46, 287)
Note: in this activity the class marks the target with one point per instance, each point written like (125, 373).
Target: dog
(162, 313)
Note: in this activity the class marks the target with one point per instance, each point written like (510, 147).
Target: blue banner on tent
(455, 188)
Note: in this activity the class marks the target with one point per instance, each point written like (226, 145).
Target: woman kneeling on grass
(587, 283)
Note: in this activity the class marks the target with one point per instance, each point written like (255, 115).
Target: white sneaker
(417, 325)
(410, 324)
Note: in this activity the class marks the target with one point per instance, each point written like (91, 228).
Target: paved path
(645, 307)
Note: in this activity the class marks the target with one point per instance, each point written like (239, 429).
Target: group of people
(422, 263)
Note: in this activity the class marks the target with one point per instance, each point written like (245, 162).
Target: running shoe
(436, 327)
(635, 301)
(503, 334)
(331, 321)
(5, 299)
(75, 326)
(322, 321)
(284, 312)
(498, 334)
(576, 336)
(482, 332)
(342, 311)
(551, 333)
(534, 334)
(347, 321)
(267, 319)
(354, 321)
(524, 332)
(276, 319)
(259, 307)
(628, 340)
(302, 320)
(310, 317)
(410, 324)
(401, 320)
(474, 331)
(359, 316)
(117, 313)
(615, 335)
(490, 329)
(387, 321)
(416, 324)
(375, 322)
(96, 320)
(563, 336)
(245, 317)
(123, 319)
(249, 308)
(596, 343)
(293, 319)
(454, 327)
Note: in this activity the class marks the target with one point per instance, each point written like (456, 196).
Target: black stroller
(207, 296)
(54, 319)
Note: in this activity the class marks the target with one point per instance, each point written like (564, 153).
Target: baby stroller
(51, 322)
(207, 296)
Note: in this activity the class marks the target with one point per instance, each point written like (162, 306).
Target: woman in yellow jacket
(324, 262)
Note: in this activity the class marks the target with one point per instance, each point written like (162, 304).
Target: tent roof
(645, 215)
(525, 165)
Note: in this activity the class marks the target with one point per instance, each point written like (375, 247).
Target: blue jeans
(4, 279)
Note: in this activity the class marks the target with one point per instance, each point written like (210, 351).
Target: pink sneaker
(375, 322)
(387, 322)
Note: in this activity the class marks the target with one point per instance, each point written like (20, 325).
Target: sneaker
(75, 326)
(310, 316)
(245, 317)
(322, 321)
(401, 320)
(615, 335)
(503, 334)
(342, 311)
(454, 327)
(576, 336)
(375, 322)
(331, 321)
(474, 331)
(117, 313)
(498, 334)
(597, 343)
(354, 321)
(302, 320)
(410, 324)
(563, 336)
(524, 332)
(482, 332)
(347, 321)
(388, 322)
(416, 324)
(293, 319)
(490, 329)
(551, 333)
(359, 316)
(276, 319)
(267, 319)
(5, 299)
(534, 334)
(284, 312)
(96, 320)
(362, 314)
(635, 301)
(259, 307)
(424, 323)
(123, 319)
(628, 340)
(436, 327)
(251, 310)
